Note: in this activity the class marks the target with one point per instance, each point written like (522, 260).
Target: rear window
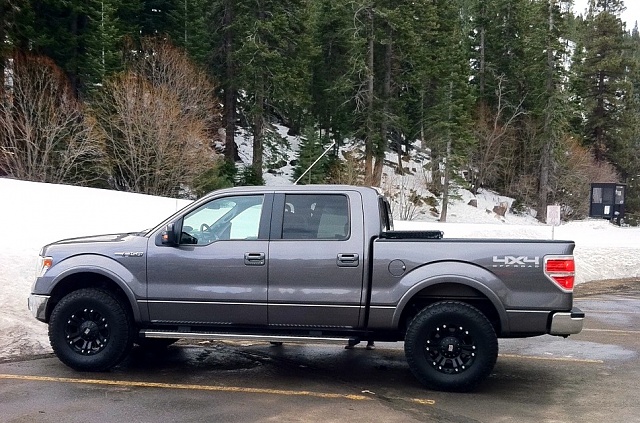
(386, 219)
(316, 216)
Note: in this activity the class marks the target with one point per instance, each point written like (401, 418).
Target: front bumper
(38, 306)
(567, 323)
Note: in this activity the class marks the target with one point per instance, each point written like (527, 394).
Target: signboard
(553, 215)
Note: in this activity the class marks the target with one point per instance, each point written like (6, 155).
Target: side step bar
(148, 333)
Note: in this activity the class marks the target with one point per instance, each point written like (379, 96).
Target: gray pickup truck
(303, 264)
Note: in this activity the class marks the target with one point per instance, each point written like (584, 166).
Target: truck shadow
(325, 367)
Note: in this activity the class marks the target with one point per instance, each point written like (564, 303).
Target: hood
(99, 244)
(93, 238)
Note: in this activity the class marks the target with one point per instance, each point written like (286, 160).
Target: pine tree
(188, 27)
(224, 42)
(628, 158)
(331, 82)
(311, 149)
(449, 117)
(603, 77)
(274, 56)
(155, 17)
(553, 113)
(544, 122)
(83, 38)
(8, 14)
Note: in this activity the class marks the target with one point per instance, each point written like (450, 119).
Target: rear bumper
(567, 323)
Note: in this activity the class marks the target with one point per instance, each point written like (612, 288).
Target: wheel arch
(75, 279)
(453, 281)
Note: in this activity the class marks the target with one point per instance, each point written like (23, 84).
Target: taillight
(561, 270)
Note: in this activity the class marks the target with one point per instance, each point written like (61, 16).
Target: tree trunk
(548, 141)
(483, 76)
(423, 142)
(369, 134)
(384, 124)
(258, 129)
(73, 74)
(230, 94)
(4, 10)
(258, 112)
(445, 184)
(599, 144)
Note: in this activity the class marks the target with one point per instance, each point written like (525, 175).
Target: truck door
(316, 260)
(218, 273)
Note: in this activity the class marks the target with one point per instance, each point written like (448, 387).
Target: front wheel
(451, 346)
(90, 330)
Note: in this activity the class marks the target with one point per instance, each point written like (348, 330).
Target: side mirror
(171, 235)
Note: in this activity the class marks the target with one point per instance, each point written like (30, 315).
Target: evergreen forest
(521, 96)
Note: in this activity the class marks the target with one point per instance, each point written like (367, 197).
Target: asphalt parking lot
(589, 377)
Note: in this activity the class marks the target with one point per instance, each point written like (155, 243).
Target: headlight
(44, 263)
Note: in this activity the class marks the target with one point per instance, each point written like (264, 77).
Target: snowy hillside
(392, 183)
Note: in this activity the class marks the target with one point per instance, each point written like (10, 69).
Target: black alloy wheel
(91, 330)
(451, 346)
(87, 331)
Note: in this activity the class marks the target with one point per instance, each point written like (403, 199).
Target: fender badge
(134, 254)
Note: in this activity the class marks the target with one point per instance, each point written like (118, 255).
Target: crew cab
(303, 264)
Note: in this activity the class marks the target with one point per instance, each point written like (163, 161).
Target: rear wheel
(451, 346)
(90, 330)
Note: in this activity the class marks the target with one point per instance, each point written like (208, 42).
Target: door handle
(348, 260)
(254, 259)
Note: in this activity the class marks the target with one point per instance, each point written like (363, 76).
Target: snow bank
(35, 214)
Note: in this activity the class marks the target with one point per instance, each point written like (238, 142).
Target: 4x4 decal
(513, 261)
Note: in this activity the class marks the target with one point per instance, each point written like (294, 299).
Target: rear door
(316, 260)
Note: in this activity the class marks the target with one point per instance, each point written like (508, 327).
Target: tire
(451, 346)
(91, 330)
(154, 343)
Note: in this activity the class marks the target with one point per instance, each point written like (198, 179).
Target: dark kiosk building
(607, 201)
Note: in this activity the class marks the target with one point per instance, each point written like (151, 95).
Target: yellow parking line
(422, 401)
(569, 359)
(618, 331)
(138, 384)
(237, 389)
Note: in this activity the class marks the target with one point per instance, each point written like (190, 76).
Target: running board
(148, 333)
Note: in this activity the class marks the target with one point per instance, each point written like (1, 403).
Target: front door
(218, 274)
(316, 261)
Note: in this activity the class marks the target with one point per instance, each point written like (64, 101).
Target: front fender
(133, 287)
(453, 273)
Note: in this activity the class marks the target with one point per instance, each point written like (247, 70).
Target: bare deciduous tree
(153, 147)
(167, 66)
(158, 120)
(575, 172)
(493, 131)
(578, 169)
(348, 171)
(407, 195)
(45, 135)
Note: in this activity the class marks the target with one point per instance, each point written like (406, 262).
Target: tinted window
(317, 216)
